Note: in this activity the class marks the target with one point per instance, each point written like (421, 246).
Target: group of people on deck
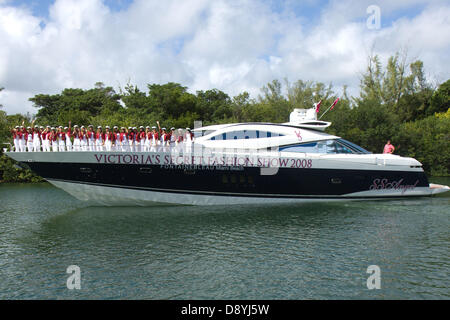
(133, 139)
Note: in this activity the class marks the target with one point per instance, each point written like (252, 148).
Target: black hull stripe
(230, 194)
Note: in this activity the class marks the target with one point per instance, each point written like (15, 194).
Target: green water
(224, 252)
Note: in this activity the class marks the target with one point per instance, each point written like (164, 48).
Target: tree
(4, 130)
(440, 101)
(371, 81)
(394, 84)
(428, 141)
(303, 94)
(171, 99)
(214, 105)
(135, 98)
(273, 103)
(240, 103)
(77, 103)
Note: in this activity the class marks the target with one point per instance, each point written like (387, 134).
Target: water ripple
(240, 252)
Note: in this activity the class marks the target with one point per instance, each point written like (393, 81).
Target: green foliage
(76, 105)
(428, 141)
(10, 173)
(4, 130)
(214, 106)
(395, 103)
(440, 101)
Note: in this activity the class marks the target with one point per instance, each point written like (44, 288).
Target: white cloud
(229, 45)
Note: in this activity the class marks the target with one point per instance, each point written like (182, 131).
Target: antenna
(330, 108)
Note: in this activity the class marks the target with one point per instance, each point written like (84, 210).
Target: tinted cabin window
(352, 146)
(245, 134)
(305, 148)
(326, 147)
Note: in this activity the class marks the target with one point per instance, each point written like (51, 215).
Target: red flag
(334, 103)
(318, 106)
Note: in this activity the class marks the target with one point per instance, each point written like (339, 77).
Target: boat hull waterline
(117, 178)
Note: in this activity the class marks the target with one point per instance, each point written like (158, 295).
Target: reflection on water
(221, 252)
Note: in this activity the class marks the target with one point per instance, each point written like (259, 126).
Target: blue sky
(232, 45)
(41, 7)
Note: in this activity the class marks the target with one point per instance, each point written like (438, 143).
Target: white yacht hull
(118, 196)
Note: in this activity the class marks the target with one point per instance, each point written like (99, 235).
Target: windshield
(334, 146)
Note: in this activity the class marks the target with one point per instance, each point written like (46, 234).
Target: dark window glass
(354, 147)
(326, 147)
(305, 148)
(245, 134)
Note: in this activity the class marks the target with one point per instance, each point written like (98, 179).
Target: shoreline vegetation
(396, 102)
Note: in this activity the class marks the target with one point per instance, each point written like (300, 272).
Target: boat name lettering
(385, 184)
(215, 161)
(128, 158)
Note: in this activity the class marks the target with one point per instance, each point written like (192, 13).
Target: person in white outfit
(54, 140)
(83, 139)
(37, 138)
(76, 138)
(22, 142)
(109, 138)
(61, 138)
(68, 136)
(124, 139)
(154, 140)
(29, 139)
(99, 139)
(117, 144)
(15, 134)
(130, 137)
(172, 137)
(188, 140)
(45, 137)
(140, 139)
(147, 139)
(91, 138)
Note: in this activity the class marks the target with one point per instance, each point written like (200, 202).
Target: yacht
(240, 163)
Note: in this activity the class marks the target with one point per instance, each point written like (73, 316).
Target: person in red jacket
(45, 137)
(172, 137)
(165, 137)
(84, 139)
(15, 136)
(99, 139)
(141, 135)
(108, 139)
(54, 139)
(76, 138)
(29, 139)
(37, 139)
(21, 136)
(116, 142)
(123, 141)
(90, 136)
(68, 136)
(137, 140)
(155, 136)
(147, 139)
(389, 148)
(180, 136)
(130, 138)
(61, 138)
